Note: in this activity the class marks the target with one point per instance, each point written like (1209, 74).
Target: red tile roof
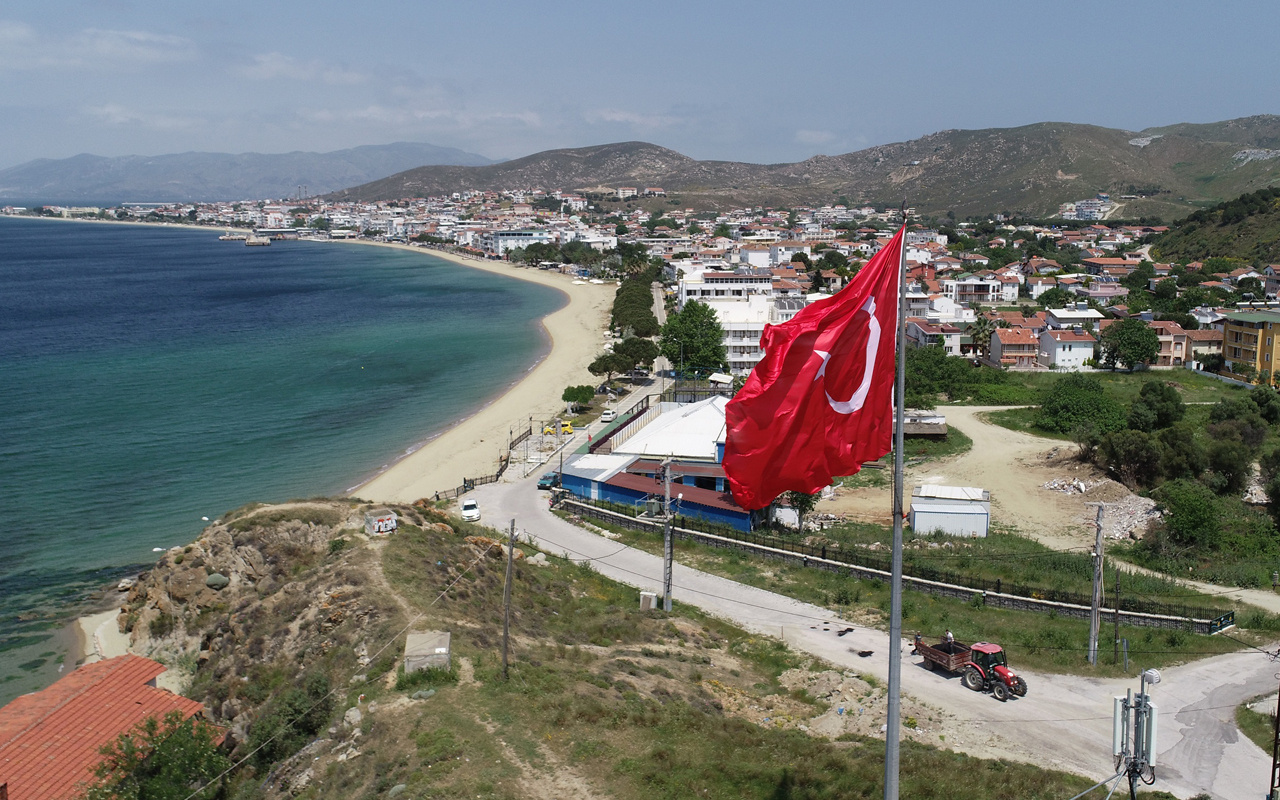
(49, 740)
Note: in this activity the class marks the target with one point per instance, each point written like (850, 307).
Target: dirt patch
(1013, 466)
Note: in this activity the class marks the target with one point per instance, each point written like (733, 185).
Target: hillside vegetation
(1028, 170)
(299, 657)
(1246, 228)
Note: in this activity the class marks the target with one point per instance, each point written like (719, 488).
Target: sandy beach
(471, 447)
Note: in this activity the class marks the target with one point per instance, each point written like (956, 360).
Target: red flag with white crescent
(820, 402)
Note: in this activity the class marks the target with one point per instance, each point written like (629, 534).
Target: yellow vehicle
(566, 428)
(549, 429)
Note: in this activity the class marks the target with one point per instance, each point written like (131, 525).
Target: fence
(636, 418)
(470, 483)
(1133, 611)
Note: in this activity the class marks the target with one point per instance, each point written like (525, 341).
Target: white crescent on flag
(873, 345)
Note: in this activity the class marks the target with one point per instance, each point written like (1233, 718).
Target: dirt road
(1014, 467)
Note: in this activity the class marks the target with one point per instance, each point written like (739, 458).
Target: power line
(334, 691)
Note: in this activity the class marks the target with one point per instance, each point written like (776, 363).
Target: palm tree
(980, 332)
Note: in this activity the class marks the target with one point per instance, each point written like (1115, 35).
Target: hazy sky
(763, 82)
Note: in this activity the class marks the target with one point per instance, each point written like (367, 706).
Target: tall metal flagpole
(895, 592)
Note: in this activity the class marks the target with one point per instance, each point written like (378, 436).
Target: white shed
(955, 510)
(428, 650)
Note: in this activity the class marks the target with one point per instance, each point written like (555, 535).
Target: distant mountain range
(92, 180)
(1164, 172)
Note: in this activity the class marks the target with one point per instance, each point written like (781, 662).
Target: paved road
(1063, 723)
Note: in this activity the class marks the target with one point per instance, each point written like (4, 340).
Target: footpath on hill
(1063, 723)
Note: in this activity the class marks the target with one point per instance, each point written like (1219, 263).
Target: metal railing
(918, 576)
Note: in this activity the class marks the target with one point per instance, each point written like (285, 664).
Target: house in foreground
(50, 740)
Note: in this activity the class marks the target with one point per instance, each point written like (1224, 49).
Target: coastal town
(983, 290)
(645, 450)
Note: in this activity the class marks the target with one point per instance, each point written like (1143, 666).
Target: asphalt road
(1064, 722)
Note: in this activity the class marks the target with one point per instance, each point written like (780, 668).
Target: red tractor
(982, 666)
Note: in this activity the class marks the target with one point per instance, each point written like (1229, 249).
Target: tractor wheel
(973, 679)
(1019, 687)
(1000, 691)
(928, 665)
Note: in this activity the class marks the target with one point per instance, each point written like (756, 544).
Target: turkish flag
(820, 402)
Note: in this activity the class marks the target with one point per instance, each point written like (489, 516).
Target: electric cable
(334, 691)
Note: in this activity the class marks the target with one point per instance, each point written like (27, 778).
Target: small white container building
(955, 510)
(427, 650)
(380, 522)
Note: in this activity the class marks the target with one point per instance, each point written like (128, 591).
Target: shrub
(1075, 400)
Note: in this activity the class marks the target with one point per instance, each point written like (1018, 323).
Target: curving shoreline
(470, 447)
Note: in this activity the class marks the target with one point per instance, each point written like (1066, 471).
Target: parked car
(609, 415)
(566, 428)
(470, 510)
(549, 481)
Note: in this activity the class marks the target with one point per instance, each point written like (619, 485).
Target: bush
(1191, 514)
(1075, 400)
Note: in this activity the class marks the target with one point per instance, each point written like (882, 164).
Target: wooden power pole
(506, 599)
(1095, 617)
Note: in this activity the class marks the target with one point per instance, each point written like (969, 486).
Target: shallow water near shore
(150, 377)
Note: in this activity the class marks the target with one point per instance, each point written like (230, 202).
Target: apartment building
(743, 320)
(1250, 340)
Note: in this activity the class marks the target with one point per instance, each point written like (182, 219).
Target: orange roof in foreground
(49, 740)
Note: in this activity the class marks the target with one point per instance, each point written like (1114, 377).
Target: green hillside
(1246, 228)
(1031, 170)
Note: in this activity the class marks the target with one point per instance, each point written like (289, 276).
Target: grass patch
(312, 515)
(1259, 728)
(1035, 641)
(1022, 420)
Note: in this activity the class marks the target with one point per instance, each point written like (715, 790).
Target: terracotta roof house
(49, 740)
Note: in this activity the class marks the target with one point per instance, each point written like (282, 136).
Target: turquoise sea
(150, 377)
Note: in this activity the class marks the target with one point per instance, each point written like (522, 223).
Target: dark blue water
(150, 377)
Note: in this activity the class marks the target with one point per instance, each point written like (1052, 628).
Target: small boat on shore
(257, 241)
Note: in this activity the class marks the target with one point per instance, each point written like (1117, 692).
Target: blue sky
(750, 81)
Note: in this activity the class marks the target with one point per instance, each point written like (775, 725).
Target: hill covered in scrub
(1029, 170)
(1246, 228)
(298, 656)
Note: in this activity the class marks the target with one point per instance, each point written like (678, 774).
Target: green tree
(610, 364)
(724, 230)
(160, 760)
(642, 351)
(833, 260)
(1183, 455)
(981, 332)
(1132, 456)
(578, 395)
(1129, 342)
(621, 229)
(802, 257)
(803, 504)
(1078, 399)
(1055, 298)
(693, 336)
(1191, 514)
(1158, 406)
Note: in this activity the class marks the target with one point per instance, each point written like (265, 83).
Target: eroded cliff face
(264, 597)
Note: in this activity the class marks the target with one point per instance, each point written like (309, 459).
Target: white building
(1072, 316)
(954, 510)
(1065, 349)
(743, 321)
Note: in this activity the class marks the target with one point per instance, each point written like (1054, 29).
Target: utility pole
(506, 599)
(1095, 616)
(1115, 658)
(666, 537)
(1274, 794)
